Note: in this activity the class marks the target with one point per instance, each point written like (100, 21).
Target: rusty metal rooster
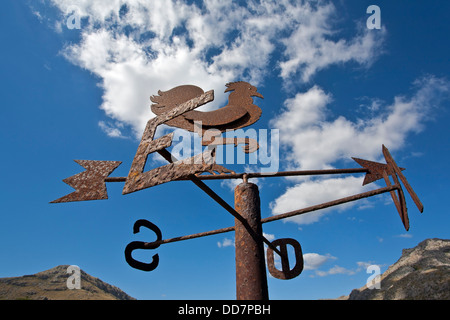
(240, 112)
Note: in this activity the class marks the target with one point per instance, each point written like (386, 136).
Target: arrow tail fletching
(89, 184)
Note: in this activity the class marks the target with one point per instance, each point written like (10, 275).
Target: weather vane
(176, 108)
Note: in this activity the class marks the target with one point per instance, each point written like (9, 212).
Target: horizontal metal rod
(262, 174)
(281, 174)
(192, 236)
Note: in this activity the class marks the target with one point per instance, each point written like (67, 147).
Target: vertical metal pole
(251, 277)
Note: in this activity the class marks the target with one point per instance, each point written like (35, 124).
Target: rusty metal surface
(399, 201)
(203, 162)
(136, 173)
(251, 278)
(175, 111)
(240, 111)
(286, 272)
(375, 170)
(138, 179)
(398, 171)
(241, 95)
(89, 184)
(390, 169)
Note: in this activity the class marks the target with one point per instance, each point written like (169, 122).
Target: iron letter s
(143, 245)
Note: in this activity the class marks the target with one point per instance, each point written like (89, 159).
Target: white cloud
(137, 47)
(231, 184)
(38, 15)
(230, 243)
(405, 235)
(335, 270)
(311, 48)
(313, 261)
(225, 243)
(313, 141)
(269, 236)
(362, 265)
(314, 192)
(129, 78)
(111, 130)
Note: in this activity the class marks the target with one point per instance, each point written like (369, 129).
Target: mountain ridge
(421, 273)
(52, 285)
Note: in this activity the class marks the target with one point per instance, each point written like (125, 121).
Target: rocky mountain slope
(52, 285)
(421, 273)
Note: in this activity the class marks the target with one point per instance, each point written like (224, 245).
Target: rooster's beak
(257, 94)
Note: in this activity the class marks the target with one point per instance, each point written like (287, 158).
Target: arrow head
(375, 170)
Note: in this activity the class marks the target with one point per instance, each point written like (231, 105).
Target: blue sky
(332, 87)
